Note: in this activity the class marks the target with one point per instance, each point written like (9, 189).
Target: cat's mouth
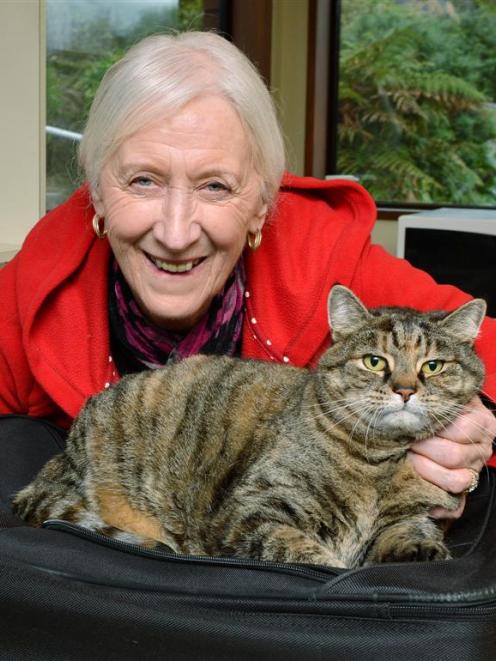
(404, 420)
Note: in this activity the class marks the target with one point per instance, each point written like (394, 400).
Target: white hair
(161, 74)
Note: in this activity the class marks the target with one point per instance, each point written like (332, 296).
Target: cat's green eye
(374, 363)
(431, 367)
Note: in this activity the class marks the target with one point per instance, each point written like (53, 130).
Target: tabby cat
(230, 457)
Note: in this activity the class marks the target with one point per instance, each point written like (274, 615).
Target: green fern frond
(351, 135)
(398, 164)
(444, 86)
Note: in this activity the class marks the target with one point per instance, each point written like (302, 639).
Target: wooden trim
(217, 16)
(251, 31)
(386, 213)
(318, 73)
(310, 106)
(392, 211)
(333, 50)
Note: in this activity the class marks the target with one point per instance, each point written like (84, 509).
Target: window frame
(321, 147)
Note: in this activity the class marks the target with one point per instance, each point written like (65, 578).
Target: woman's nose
(176, 227)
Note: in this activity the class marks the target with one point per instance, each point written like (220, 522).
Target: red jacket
(54, 336)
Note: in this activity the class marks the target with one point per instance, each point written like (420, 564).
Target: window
(416, 100)
(84, 37)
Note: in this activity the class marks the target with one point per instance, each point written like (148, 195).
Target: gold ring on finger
(474, 483)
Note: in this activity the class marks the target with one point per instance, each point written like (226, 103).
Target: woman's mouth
(175, 267)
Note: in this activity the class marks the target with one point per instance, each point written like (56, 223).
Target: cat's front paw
(413, 550)
(414, 541)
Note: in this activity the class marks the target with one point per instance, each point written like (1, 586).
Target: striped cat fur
(221, 456)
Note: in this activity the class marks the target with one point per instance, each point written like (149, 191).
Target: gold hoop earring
(254, 240)
(101, 233)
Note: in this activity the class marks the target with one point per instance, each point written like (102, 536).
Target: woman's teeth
(175, 268)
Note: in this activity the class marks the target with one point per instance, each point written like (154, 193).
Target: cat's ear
(464, 322)
(346, 312)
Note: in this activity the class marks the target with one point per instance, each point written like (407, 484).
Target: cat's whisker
(362, 414)
(448, 418)
(352, 408)
(371, 420)
(323, 413)
(336, 403)
(358, 408)
(331, 414)
(340, 420)
(377, 412)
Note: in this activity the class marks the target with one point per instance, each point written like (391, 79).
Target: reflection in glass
(84, 37)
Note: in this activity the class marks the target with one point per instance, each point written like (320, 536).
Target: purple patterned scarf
(217, 332)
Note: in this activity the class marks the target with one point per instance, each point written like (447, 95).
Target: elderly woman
(187, 238)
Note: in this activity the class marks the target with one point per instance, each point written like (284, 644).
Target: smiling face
(178, 198)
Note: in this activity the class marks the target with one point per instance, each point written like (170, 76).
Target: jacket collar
(314, 239)
(311, 241)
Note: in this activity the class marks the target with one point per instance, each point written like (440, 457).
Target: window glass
(84, 37)
(417, 99)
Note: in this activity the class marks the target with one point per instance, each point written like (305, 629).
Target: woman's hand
(450, 459)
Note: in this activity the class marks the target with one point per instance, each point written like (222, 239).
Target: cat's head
(399, 372)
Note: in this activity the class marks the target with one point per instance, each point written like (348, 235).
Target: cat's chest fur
(353, 547)
(364, 499)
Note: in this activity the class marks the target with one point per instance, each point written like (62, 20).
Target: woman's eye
(142, 181)
(431, 367)
(374, 363)
(215, 188)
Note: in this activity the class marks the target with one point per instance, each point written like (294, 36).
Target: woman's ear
(97, 203)
(258, 220)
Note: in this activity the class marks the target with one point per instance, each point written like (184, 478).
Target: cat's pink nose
(405, 393)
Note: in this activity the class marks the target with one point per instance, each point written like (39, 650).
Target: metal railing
(63, 133)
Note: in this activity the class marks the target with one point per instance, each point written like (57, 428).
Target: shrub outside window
(417, 100)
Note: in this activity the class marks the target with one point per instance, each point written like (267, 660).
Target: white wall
(385, 233)
(289, 75)
(22, 106)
